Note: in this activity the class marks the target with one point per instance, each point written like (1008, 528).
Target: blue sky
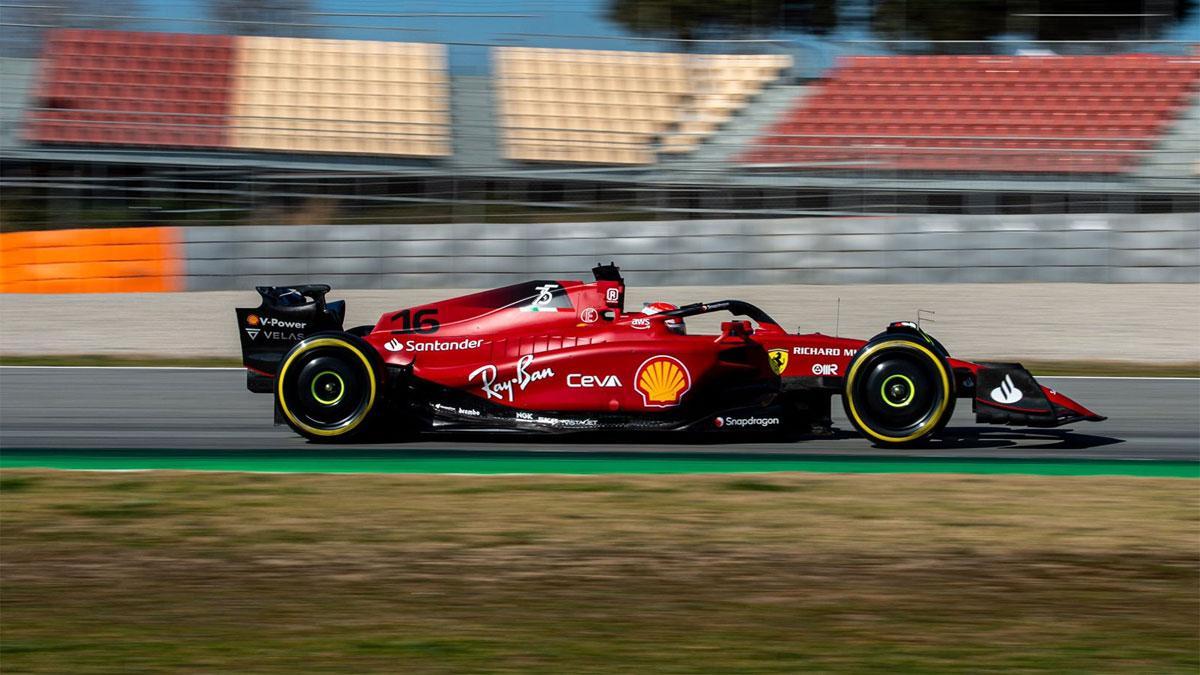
(547, 23)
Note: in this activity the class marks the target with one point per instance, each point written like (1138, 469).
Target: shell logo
(662, 381)
(252, 319)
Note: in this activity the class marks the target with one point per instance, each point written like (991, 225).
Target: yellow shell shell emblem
(662, 381)
(778, 359)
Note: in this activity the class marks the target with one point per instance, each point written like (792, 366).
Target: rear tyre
(899, 391)
(328, 387)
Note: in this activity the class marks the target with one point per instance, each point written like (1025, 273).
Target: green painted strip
(336, 461)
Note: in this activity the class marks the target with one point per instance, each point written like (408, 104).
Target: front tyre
(328, 386)
(899, 391)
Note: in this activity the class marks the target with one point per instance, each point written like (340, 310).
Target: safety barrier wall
(972, 249)
(117, 260)
(924, 249)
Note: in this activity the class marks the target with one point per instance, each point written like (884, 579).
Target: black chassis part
(258, 383)
(438, 409)
(1035, 410)
(912, 329)
(734, 307)
(811, 397)
(265, 344)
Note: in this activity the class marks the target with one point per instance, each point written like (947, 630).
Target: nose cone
(1073, 408)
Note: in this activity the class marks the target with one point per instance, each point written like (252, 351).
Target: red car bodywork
(556, 354)
(572, 358)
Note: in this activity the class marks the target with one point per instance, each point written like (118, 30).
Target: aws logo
(662, 381)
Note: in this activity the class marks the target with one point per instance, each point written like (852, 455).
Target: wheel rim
(898, 392)
(326, 388)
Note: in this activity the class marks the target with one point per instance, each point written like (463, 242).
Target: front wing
(1006, 393)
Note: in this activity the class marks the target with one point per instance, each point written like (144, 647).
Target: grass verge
(1045, 368)
(787, 573)
(465, 462)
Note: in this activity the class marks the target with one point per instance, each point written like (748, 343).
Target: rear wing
(286, 315)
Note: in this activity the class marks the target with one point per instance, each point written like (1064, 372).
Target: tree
(715, 19)
(1143, 19)
(1066, 20)
(818, 17)
(281, 18)
(24, 24)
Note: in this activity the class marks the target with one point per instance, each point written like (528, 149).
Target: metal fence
(49, 187)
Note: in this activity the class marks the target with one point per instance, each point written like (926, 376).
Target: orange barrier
(116, 260)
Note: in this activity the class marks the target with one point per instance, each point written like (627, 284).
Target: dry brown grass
(275, 573)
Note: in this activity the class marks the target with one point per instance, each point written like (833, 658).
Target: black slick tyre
(329, 387)
(899, 390)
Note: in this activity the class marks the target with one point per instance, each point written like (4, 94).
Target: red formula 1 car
(553, 356)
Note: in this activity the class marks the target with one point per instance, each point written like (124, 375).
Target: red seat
(129, 88)
(1087, 114)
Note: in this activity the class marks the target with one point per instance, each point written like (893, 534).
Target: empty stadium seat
(341, 96)
(243, 93)
(609, 107)
(123, 88)
(1043, 114)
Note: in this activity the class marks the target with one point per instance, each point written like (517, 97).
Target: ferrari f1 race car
(557, 356)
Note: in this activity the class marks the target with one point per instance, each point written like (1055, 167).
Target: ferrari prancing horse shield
(779, 359)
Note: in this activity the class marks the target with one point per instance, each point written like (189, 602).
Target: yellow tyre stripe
(933, 420)
(326, 342)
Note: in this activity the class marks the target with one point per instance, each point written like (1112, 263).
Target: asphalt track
(192, 414)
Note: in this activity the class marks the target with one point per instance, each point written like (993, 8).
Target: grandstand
(249, 93)
(153, 89)
(633, 132)
(340, 96)
(598, 107)
(1040, 114)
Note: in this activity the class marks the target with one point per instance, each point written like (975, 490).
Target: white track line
(1056, 377)
(1108, 377)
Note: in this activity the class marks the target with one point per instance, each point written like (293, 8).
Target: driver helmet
(674, 324)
